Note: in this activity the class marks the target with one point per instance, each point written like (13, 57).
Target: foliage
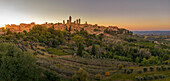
(145, 69)
(93, 51)
(16, 65)
(78, 39)
(80, 50)
(49, 76)
(81, 75)
(56, 51)
(98, 77)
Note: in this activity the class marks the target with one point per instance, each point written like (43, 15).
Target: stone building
(76, 25)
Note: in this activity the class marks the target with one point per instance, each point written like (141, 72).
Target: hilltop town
(76, 25)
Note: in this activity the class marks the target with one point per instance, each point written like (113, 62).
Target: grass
(131, 77)
(56, 51)
(166, 79)
(145, 44)
(63, 66)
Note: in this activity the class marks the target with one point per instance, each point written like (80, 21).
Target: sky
(130, 14)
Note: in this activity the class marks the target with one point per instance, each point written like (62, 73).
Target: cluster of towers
(78, 21)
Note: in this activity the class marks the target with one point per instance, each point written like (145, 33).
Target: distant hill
(151, 32)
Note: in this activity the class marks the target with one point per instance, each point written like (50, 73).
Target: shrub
(35, 53)
(50, 52)
(96, 30)
(42, 44)
(35, 45)
(32, 48)
(145, 69)
(52, 56)
(124, 70)
(43, 50)
(151, 69)
(158, 68)
(168, 68)
(156, 76)
(49, 76)
(139, 72)
(120, 67)
(85, 63)
(150, 77)
(163, 68)
(161, 76)
(40, 52)
(145, 78)
(98, 77)
(131, 70)
(138, 78)
(80, 75)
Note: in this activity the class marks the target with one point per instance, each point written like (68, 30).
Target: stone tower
(63, 21)
(86, 22)
(79, 21)
(70, 20)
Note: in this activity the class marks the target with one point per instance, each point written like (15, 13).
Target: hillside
(98, 53)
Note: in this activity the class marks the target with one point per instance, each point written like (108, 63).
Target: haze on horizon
(129, 14)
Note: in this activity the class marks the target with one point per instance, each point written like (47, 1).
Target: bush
(50, 52)
(151, 69)
(145, 69)
(120, 67)
(145, 78)
(156, 76)
(96, 30)
(42, 44)
(35, 53)
(131, 70)
(138, 78)
(43, 50)
(98, 77)
(40, 52)
(161, 76)
(139, 72)
(49, 76)
(158, 68)
(150, 77)
(163, 68)
(168, 68)
(124, 70)
(80, 75)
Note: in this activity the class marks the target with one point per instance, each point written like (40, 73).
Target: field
(109, 70)
(66, 66)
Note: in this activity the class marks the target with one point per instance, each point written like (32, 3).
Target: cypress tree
(93, 51)
(80, 50)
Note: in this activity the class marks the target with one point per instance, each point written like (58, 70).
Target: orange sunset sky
(130, 14)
